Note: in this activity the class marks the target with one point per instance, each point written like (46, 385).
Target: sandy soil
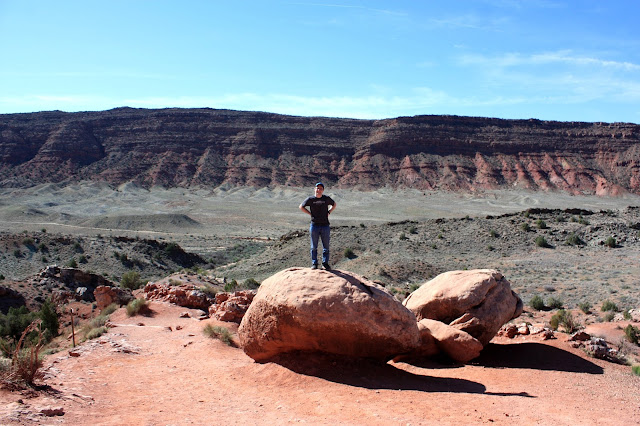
(162, 369)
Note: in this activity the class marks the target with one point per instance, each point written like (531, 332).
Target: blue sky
(545, 59)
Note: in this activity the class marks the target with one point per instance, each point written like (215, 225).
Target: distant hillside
(208, 148)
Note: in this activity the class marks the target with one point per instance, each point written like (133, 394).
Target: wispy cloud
(561, 56)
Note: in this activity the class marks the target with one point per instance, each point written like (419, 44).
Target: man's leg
(325, 236)
(314, 232)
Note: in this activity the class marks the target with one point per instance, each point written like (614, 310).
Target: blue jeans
(321, 232)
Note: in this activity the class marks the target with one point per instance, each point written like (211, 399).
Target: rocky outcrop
(185, 295)
(231, 307)
(107, 295)
(333, 312)
(477, 302)
(206, 147)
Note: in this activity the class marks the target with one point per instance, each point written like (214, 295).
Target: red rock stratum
(208, 148)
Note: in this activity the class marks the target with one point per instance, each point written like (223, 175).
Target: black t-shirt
(319, 208)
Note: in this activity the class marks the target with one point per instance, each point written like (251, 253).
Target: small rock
(50, 412)
(580, 336)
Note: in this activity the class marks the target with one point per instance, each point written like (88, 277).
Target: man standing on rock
(320, 207)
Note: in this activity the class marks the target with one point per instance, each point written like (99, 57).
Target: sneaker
(326, 266)
(314, 266)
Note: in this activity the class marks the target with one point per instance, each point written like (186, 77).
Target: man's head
(319, 189)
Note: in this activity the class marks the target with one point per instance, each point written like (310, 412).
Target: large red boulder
(335, 312)
(477, 302)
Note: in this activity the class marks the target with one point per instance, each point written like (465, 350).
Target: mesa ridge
(209, 148)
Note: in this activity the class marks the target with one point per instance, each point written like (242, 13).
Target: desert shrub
(1, 277)
(251, 284)
(403, 236)
(209, 290)
(413, 230)
(26, 362)
(541, 224)
(94, 333)
(83, 259)
(608, 305)
(626, 315)
(136, 307)
(537, 303)
(542, 242)
(28, 242)
(565, 319)
(490, 247)
(231, 286)
(131, 280)
(50, 321)
(218, 332)
(632, 333)
(493, 233)
(377, 251)
(413, 287)
(78, 247)
(609, 316)
(525, 227)
(109, 309)
(585, 307)
(582, 220)
(610, 242)
(72, 263)
(13, 324)
(574, 240)
(636, 369)
(554, 303)
(348, 253)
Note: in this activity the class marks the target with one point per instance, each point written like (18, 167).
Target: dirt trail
(163, 370)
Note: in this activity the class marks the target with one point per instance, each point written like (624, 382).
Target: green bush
(131, 280)
(542, 242)
(555, 303)
(609, 316)
(96, 332)
(348, 253)
(525, 227)
(413, 230)
(537, 303)
(137, 307)
(574, 240)
(632, 333)
(585, 307)
(608, 305)
(493, 233)
(231, 286)
(218, 332)
(636, 369)
(610, 242)
(251, 284)
(50, 321)
(72, 263)
(541, 224)
(565, 319)
(403, 236)
(209, 290)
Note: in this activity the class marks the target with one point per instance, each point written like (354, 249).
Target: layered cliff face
(204, 147)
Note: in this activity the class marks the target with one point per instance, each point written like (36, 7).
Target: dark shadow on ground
(535, 356)
(371, 374)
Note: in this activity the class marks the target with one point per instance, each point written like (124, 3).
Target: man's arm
(333, 207)
(304, 209)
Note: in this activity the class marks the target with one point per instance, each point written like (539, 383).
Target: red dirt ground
(162, 369)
